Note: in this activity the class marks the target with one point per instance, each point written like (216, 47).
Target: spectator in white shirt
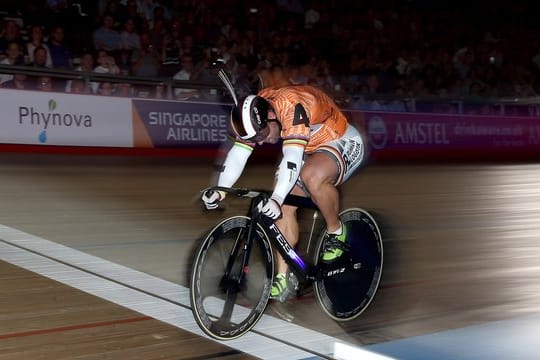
(14, 57)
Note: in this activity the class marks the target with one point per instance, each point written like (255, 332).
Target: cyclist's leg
(330, 166)
(319, 175)
(288, 225)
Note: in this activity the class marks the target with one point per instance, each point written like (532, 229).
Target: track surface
(461, 246)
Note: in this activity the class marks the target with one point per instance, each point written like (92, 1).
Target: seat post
(314, 218)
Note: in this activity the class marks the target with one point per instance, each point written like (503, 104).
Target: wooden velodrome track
(461, 248)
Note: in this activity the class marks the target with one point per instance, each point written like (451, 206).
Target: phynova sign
(64, 119)
(52, 118)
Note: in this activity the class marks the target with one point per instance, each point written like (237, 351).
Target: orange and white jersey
(307, 115)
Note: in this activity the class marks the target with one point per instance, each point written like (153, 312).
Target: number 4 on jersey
(300, 116)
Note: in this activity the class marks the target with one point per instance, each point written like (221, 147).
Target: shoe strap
(280, 282)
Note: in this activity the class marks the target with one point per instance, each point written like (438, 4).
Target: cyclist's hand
(271, 208)
(211, 198)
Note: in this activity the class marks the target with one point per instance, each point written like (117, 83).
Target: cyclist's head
(249, 119)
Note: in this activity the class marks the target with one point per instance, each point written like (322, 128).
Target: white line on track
(155, 297)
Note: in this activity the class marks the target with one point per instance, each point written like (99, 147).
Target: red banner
(405, 136)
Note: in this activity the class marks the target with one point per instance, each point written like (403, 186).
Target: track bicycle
(233, 266)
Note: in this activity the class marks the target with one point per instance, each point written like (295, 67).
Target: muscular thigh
(347, 154)
(321, 167)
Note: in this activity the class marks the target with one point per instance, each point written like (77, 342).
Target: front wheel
(230, 284)
(346, 287)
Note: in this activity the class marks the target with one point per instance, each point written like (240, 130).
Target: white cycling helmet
(250, 117)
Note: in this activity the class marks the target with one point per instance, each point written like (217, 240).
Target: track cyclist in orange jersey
(321, 150)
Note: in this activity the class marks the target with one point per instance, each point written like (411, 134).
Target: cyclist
(320, 151)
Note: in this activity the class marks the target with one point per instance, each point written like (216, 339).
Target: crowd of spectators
(368, 54)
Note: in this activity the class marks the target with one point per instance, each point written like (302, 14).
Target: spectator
(44, 83)
(372, 40)
(153, 10)
(14, 57)
(244, 83)
(365, 100)
(188, 45)
(106, 65)
(35, 12)
(145, 61)
(36, 41)
(396, 102)
(40, 58)
(295, 77)
(78, 86)
(309, 71)
(86, 65)
(322, 80)
(124, 90)
(228, 24)
(146, 8)
(157, 33)
(114, 8)
(56, 6)
(443, 104)
(129, 36)
(186, 73)
(60, 54)
(311, 14)
(170, 54)
(130, 11)
(160, 91)
(275, 77)
(10, 33)
(19, 81)
(463, 60)
(418, 88)
(106, 37)
(130, 40)
(105, 88)
(246, 55)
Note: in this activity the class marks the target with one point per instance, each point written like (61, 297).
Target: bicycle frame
(303, 271)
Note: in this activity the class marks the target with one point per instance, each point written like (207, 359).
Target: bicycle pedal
(292, 282)
(336, 244)
(283, 297)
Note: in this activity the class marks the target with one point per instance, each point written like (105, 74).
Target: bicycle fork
(231, 282)
(242, 243)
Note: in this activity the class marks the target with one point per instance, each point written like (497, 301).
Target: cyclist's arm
(295, 132)
(289, 168)
(234, 163)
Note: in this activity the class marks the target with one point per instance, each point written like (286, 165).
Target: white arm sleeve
(288, 172)
(234, 164)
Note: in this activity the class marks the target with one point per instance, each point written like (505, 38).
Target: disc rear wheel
(346, 287)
